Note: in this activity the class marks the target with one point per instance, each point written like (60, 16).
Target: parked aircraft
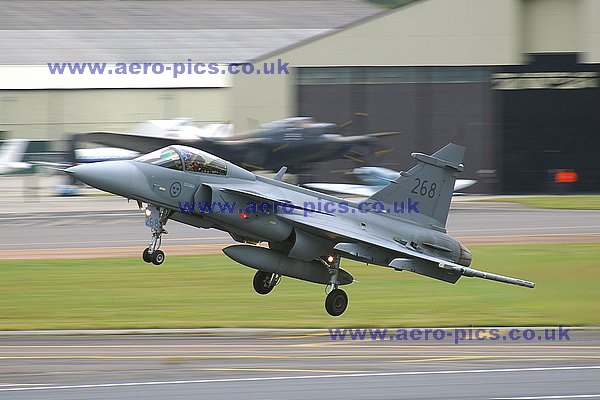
(307, 233)
(374, 179)
(296, 142)
(12, 153)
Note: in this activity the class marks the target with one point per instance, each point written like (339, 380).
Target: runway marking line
(484, 336)
(18, 384)
(426, 360)
(565, 396)
(528, 228)
(273, 357)
(302, 377)
(531, 235)
(352, 343)
(316, 371)
(504, 357)
(152, 357)
(133, 346)
(305, 336)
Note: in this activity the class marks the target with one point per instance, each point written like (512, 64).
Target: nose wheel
(156, 258)
(146, 256)
(156, 219)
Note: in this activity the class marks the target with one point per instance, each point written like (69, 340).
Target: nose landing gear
(156, 219)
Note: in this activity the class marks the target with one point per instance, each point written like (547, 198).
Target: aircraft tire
(336, 302)
(158, 257)
(261, 282)
(146, 255)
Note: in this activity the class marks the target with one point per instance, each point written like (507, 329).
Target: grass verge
(212, 291)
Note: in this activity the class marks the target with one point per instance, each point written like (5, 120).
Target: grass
(554, 202)
(212, 291)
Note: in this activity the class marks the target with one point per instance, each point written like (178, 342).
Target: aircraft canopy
(184, 158)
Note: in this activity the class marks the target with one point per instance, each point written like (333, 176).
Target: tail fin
(13, 150)
(430, 183)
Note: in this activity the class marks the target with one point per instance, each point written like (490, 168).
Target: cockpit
(183, 158)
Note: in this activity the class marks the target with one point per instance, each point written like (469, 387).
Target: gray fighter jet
(402, 226)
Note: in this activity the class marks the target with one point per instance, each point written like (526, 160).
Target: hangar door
(428, 106)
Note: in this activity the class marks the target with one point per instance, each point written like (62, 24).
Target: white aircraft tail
(13, 151)
(430, 183)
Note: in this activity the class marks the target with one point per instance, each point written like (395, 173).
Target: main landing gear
(264, 282)
(336, 301)
(156, 219)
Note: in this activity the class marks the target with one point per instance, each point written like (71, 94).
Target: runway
(109, 226)
(263, 366)
(296, 367)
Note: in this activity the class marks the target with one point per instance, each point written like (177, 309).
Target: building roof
(37, 32)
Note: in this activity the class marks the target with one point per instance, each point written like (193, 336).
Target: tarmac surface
(232, 364)
(297, 367)
(95, 225)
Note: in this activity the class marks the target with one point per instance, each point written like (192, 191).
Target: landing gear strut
(336, 301)
(156, 219)
(264, 282)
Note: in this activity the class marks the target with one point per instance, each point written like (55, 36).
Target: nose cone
(110, 176)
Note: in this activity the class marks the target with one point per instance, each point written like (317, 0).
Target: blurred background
(516, 81)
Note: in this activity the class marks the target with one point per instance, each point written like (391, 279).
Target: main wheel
(336, 302)
(146, 255)
(158, 257)
(262, 282)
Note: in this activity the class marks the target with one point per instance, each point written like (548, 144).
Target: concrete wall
(427, 32)
(562, 26)
(263, 97)
(590, 30)
(552, 25)
(49, 114)
(432, 32)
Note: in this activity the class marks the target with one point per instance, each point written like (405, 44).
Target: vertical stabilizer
(430, 183)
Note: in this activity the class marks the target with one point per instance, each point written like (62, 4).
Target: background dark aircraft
(295, 142)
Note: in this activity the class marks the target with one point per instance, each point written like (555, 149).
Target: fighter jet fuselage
(402, 226)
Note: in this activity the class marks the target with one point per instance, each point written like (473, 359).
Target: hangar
(517, 81)
(37, 104)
